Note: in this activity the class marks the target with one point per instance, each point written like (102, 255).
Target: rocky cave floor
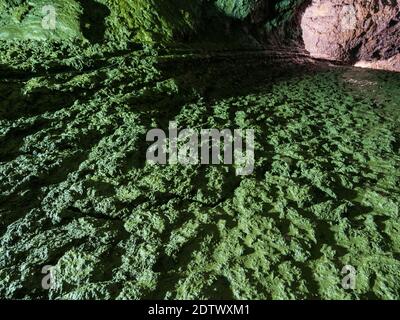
(77, 194)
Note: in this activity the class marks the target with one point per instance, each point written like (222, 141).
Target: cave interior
(85, 215)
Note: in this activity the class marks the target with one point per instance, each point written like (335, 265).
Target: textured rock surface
(22, 20)
(138, 20)
(143, 20)
(76, 192)
(391, 64)
(353, 30)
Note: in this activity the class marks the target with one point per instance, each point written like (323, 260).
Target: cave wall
(22, 20)
(354, 31)
(144, 20)
(120, 20)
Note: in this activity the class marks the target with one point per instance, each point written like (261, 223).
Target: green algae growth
(77, 193)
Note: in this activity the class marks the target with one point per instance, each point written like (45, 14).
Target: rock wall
(143, 20)
(353, 30)
(117, 20)
(23, 20)
(363, 32)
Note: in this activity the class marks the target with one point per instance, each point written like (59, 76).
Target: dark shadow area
(220, 289)
(93, 20)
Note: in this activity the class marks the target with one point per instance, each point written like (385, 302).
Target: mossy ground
(77, 193)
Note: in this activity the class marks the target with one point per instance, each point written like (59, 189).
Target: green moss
(143, 21)
(77, 193)
(127, 21)
(24, 21)
(158, 20)
(240, 9)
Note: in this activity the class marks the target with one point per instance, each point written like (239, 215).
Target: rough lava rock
(354, 30)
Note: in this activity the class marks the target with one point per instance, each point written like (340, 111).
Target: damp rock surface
(78, 195)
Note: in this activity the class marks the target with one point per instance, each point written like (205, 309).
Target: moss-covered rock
(239, 9)
(138, 20)
(77, 194)
(23, 20)
(153, 20)
(150, 21)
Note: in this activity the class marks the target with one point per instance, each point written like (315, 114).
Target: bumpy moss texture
(77, 193)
